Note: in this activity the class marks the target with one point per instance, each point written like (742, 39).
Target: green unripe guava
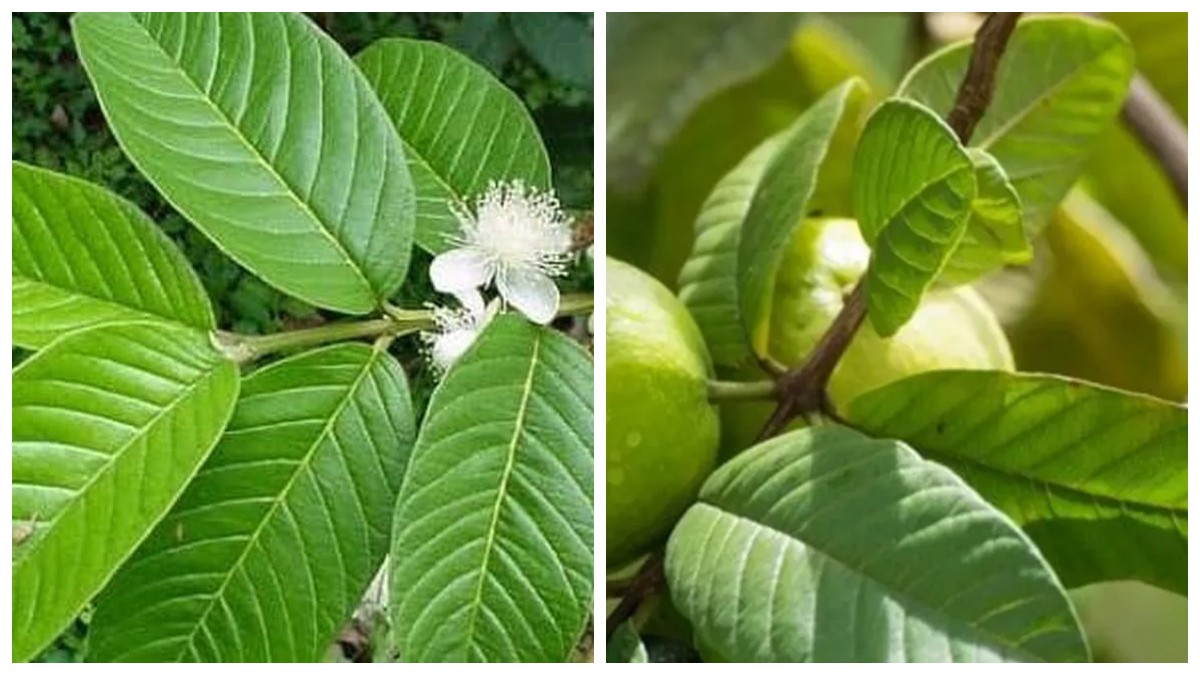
(662, 433)
(953, 327)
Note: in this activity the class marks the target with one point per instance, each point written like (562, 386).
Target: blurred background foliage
(546, 58)
(1105, 298)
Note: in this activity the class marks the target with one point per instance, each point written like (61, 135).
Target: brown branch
(803, 388)
(975, 92)
(1151, 119)
(649, 579)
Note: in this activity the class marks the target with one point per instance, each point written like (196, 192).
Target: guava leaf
(995, 234)
(109, 424)
(83, 256)
(661, 66)
(708, 281)
(625, 646)
(1096, 476)
(492, 544)
(913, 188)
(781, 199)
(1059, 85)
(460, 126)
(826, 545)
(272, 545)
(260, 130)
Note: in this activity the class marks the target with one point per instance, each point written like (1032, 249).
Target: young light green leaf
(261, 131)
(83, 256)
(707, 283)
(109, 424)
(995, 234)
(460, 125)
(1059, 85)
(271, 547)
(625, 646)
(780, 202)
(492, 548)
(1096, 476)
(913, 188)
(826, 545)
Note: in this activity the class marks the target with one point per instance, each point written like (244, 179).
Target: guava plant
(819, 449)
(209, 496)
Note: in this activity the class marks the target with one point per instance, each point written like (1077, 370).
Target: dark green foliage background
(57, 124)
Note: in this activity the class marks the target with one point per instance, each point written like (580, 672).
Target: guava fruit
(953, 327)
(662, 433)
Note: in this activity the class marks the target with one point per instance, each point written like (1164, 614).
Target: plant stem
(1159, 131)
(803, 389)
(650, 577)
(246, 348)
(719, 390)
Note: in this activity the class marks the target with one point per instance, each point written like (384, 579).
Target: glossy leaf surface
(83, 256)
(492, 548)
(261, 131)
(109, 425)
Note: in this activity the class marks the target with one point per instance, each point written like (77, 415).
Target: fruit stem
(649, 579)
(803, 389)
(719, 390)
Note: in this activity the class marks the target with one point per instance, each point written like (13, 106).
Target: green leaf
(625, 646)
(109, 424)
(461, 129)
(826, 545)
(492, 547)
(83, 256)
(995, 234)
(780, 202)
(708, 281)
(261, 131)
(1096, 476)
(271, 547)
(913, 188)
(1060, 83)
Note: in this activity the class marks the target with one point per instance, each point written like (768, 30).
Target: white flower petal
(448, 347)
(530, 291)
(471, 300)
(460, 270)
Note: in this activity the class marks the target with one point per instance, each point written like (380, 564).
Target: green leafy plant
(203, 495)
(904, 493)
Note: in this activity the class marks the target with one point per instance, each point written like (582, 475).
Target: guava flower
(456, 330)
(519, 238)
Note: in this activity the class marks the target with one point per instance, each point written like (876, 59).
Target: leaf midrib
(501, 493)
(301, 467)
(257, 155)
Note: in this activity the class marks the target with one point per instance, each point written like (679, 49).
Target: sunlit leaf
(109, 425)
